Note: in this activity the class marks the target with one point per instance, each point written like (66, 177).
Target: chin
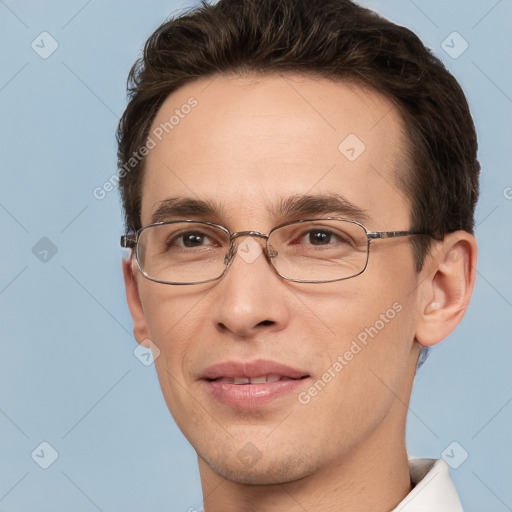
(249, 467)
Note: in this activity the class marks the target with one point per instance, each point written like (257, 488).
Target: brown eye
(192, 239)
(323, 237)
(319, 237)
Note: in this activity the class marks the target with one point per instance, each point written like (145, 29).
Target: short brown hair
(333, 39)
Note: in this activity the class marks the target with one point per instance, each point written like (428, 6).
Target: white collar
(433, 489)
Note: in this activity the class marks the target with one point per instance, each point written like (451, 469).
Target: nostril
(222, 327)
(266, 322)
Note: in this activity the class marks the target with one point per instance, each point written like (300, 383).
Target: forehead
(246, 143)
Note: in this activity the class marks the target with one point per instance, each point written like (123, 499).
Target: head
(238, 115)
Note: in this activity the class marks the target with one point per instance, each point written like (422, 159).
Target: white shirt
(433, 489)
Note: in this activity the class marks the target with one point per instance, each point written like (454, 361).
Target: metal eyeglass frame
(130, 240)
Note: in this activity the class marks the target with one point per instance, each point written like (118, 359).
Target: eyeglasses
(305, 251)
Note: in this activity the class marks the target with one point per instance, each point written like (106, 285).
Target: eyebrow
(296, 206)
(184, 207)
(324, 204)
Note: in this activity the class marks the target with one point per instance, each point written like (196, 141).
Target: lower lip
(251, 396)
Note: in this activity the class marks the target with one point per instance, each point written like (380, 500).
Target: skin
(250, 142)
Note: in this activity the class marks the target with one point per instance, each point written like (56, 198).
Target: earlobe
(140, 330)
(447, 286)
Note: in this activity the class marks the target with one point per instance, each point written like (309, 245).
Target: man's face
(248, 145)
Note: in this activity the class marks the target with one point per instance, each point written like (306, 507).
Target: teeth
(252, 380)
(259, 380)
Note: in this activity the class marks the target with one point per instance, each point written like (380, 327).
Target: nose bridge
(233, 246)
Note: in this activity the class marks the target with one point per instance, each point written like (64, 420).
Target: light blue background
(68, 375)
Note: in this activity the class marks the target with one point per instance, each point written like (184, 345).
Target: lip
(252, 395)
(251, 369)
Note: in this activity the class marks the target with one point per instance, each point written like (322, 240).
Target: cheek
(365, 307)
(365, 365)
(166, 307)
(372, 319)
(174, 323)
(176, 326)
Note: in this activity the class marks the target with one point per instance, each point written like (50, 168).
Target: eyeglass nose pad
(271, 252)
(229, 254)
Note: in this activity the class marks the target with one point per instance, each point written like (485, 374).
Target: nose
(250, 298)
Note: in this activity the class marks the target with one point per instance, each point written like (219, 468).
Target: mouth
(255, 380)
(253, 384)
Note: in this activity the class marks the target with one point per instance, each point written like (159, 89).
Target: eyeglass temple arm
(128, 241)
(372, 235)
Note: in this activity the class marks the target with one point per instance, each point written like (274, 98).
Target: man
(299, 182)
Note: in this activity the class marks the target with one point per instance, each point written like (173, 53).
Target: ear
(447, 282)
(140, 328)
